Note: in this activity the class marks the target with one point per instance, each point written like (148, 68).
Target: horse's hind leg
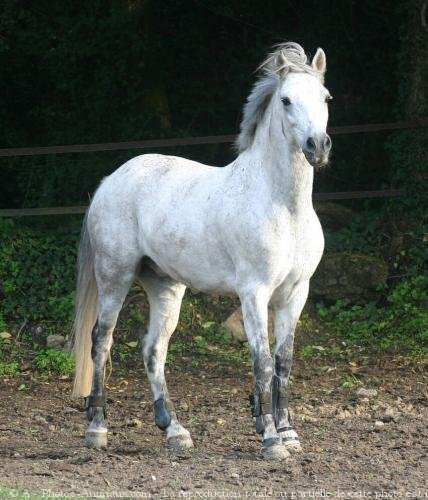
(165, 296)
(113, 284)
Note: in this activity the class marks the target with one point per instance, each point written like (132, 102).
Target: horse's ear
(319, 62)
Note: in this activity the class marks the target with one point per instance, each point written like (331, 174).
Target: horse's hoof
(290, 440)
(293, 446)
(180, 442)
(275, 452)
(96, 438)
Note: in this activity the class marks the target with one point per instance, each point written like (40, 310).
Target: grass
(8, 369)
(18, 357)
(350, 382)
(400, 325)
(53, 361)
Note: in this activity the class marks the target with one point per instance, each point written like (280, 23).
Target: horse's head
(294, 90)
(305, 107)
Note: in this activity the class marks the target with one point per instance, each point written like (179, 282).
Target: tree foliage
(83, 72)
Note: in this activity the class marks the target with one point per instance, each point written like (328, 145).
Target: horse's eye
(328, 98)
(286, 101)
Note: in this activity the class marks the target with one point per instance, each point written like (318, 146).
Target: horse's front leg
(287, 313)
(255, 315)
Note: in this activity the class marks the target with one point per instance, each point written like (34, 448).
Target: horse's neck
(274, 161)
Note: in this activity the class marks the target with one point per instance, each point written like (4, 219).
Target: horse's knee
(283, 364)
(263, 368)
(283, 359)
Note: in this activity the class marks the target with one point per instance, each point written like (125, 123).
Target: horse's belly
(204, 280)
(207, 271)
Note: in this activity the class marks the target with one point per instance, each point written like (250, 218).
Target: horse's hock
(354, 277)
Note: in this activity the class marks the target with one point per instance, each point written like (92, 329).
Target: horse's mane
(288, 57)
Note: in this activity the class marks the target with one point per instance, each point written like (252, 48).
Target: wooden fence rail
(192, 141)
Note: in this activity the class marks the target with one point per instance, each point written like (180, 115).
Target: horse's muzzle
(315, 160)
(317, 150)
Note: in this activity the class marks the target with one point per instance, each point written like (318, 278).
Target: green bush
(402, 324)
(2, 323)
(37, 272)
(54, 361)
(8, 369)
(362, 235)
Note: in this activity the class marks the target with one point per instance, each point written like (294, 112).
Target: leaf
(318, 348)
(5, 335)
(208, 324)
(22, 387)
(134, 343)
(328, 369)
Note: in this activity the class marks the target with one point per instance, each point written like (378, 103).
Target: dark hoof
(180, 442)
(275, 452)
(96, 438)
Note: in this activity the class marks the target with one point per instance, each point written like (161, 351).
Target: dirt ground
(354, 447)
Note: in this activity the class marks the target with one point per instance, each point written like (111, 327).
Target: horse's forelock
(287, 58)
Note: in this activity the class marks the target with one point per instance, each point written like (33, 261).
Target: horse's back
(154, 167)
(146, 177)
(165, 208)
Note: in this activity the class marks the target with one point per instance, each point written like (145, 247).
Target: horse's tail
(85, 315)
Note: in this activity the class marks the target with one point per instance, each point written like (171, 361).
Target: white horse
(247, 229)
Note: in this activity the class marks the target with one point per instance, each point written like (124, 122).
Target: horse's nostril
(310, 144)
(327, 143)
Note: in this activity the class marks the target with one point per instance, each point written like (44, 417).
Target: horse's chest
(301, 250)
